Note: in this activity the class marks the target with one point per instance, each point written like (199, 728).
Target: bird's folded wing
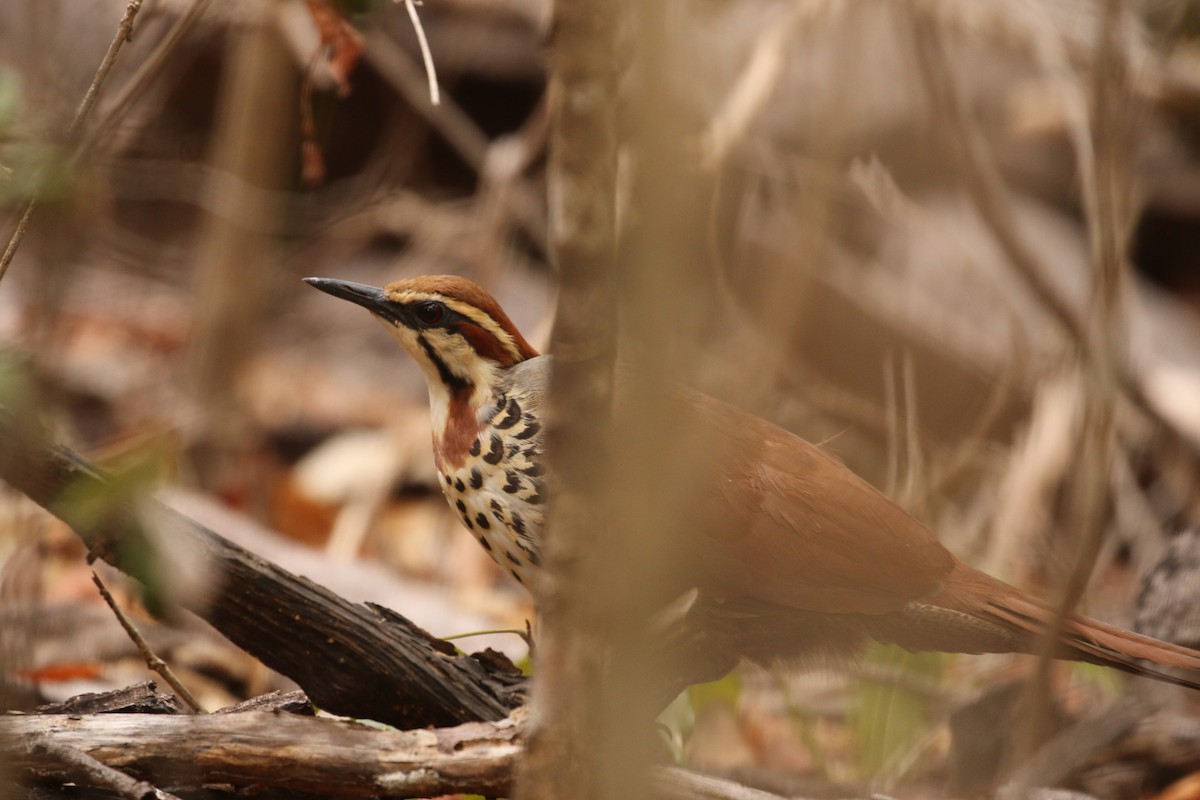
(789, 524)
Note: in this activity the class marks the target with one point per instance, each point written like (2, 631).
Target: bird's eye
(429, 313)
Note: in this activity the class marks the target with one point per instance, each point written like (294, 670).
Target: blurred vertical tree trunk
(237, 261)
(622, 463)
(565, 756)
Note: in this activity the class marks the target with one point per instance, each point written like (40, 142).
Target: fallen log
(351, 659)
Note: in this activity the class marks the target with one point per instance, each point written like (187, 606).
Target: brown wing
(791, 525)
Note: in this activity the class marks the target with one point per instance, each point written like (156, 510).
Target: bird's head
(455, 330)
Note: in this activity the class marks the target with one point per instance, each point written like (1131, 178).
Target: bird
(800, 551)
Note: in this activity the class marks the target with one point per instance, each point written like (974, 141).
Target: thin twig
(426, 56)
(147, 72)
(124, 34)
(18, 235)
(155, 663)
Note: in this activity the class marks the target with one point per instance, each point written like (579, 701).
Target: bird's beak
(371, 298)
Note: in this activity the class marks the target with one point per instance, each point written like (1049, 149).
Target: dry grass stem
(758, 80)
(435, 96)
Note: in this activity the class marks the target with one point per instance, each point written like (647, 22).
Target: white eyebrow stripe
(470, 312)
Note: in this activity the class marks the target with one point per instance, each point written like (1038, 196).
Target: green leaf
(890, 718)
(11, 96)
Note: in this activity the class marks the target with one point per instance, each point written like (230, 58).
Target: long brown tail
(975, 613)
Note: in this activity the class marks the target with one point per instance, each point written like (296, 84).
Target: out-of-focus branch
(1107, 208)
(305, 755)
(150, 70)
(758, 80)
(285, 752)
(981, 176)
(124, 34)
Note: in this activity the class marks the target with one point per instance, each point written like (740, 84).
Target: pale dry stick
(456, 126)
(155, 663)
(891, 406)
(758, 81)
(124, 34)
(914, 477)
(904, 435)
(426, 55)
(448, 119)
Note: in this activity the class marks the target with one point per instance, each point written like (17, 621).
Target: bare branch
(155, 663)
(312, 755)
(124, 34)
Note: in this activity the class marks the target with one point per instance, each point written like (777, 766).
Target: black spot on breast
(475, 446)
(514, 482)
(534, 470)
(496, 452)
(467, 522)
(447, 477)
(534, 558)
(513, 572)
(513, 558)
(461, 506)
(486, 544)
(511, 418)
(482, 521)
(530, 430)
(495, 505)
(458, 484)
(476, 478)
(518, 523)
(534, 499)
